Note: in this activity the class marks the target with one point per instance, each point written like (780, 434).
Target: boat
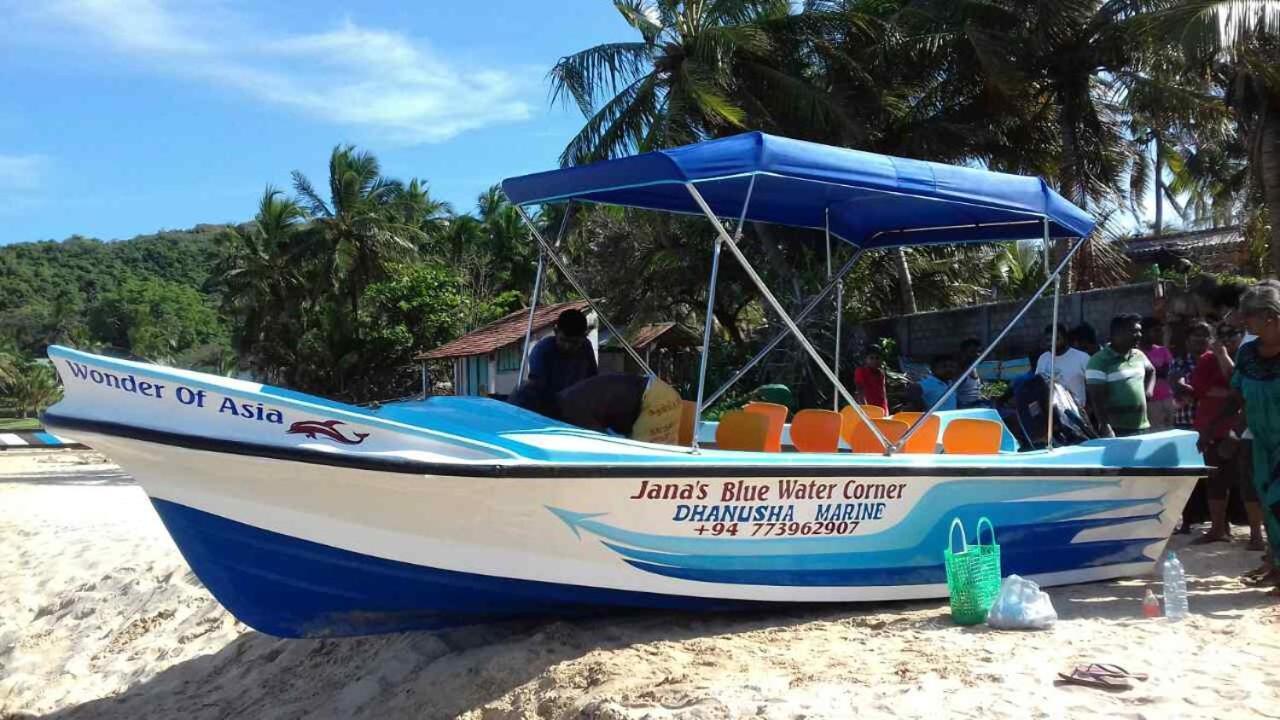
(307, 517)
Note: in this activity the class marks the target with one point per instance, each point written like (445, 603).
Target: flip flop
(1268, 578)
(1109, 670)
(1102, 682)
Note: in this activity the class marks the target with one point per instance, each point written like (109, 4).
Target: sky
(125, 117)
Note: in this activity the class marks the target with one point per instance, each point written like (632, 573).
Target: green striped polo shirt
(1126, 379)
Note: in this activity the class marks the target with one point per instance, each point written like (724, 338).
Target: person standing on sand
(1198, 338)
(1160, 405)
(1069, 365)
(1120, 379)
(1256, 384)
(868, 381)
(1220, 438)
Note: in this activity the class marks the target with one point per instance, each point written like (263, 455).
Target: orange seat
(688, 413)
(777, 415)
(906, 416)
(849, 420)
(741, 430)
(816, 431)
(972, 436)
(865, 441)
(873, 411)
(925, 439)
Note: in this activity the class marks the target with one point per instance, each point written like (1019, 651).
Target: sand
(101, 618)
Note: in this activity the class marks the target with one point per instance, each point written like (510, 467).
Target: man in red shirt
(868, 381)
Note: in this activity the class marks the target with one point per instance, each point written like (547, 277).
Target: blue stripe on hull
(288, 587)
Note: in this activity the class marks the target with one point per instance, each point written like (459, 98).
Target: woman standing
(1220, 436)
(1256, 381)
(1160, 404)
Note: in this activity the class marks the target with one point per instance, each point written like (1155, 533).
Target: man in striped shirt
(1120, 379)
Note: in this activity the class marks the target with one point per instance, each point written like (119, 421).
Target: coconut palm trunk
(1269, 160)
(906, 292)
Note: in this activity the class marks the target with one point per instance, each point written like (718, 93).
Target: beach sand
(101, 618)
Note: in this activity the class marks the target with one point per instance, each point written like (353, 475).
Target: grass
(11, 424)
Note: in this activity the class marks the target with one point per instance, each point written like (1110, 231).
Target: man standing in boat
(556, 363)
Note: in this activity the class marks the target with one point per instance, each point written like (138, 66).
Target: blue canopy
(873, 200)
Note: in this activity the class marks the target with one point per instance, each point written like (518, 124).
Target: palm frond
(588, 76)
(615, 128)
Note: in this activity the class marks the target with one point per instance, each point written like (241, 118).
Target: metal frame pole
(983, 356)
(533, 307)
(1053, 342)
(777, 308)
(564, 270)
(710, 322)
(835, 355)
(536, 297)
(800, 317)
(706, 340)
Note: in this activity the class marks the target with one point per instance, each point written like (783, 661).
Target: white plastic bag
(1021, 605)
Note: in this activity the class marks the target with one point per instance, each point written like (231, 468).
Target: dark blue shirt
(551, 371)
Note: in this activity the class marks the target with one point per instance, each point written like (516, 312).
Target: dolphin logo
(326, 428)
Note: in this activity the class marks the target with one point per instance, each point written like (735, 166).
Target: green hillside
(89, 292)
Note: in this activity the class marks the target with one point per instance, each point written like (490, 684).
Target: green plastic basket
(973, 574)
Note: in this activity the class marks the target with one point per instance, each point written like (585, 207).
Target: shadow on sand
(442, 674)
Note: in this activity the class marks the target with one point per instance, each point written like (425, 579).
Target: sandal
(1271, 577)
(1206, 538)
(1102, 682)
(1109, 670)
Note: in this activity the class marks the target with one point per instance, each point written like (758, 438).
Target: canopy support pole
(711, 320)
(955, 384)
(564, 271)
(533, 307)
(804, 313)
(424, 379)
(537, 292)
(1053, 342)
(777, 308)
(835, 356)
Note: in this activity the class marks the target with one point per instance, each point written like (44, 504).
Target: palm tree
(1239, 42)
(702, 68)
(362, 228)
(417, 208)
(33, 388)
(1057, 64)
(259, 278)
(1017, 269)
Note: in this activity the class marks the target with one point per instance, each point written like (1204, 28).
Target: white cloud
(350, 75)
(22, 181)
(22, 173)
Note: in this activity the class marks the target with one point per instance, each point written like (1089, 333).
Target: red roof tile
(501, 332)
(647, 334)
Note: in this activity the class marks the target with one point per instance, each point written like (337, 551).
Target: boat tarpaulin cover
(873, 200)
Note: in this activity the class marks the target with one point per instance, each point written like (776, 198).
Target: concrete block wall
(924, 335)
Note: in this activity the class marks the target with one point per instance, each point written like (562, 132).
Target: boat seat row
(759, 426)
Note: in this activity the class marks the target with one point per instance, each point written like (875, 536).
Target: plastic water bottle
(1150, 605)
(1175, 588)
